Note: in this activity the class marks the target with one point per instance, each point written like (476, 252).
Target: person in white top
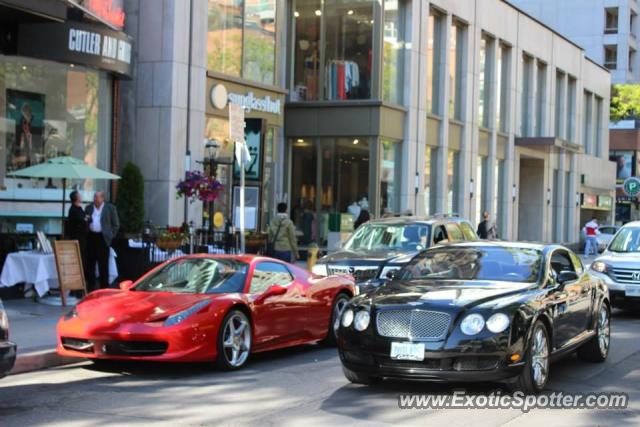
(103, 227)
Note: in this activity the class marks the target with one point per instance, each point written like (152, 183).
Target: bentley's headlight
(498, 323)
(320, 270)
(600, 267)
(362, 320)
(180, 317)
(472, 324)
(347, 318)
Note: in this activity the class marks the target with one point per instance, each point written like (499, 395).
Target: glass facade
(527, 83)
(392, 56)
(333, 50)
(541, 98)
(49, 110)
(560, 104)
(502, 68)
(435, 29)
(456, 65)
(241, 39)
(389, 176)
(486, 65)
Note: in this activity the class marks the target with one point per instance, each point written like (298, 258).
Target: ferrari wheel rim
(236, 340)
(341, 303)
(540, 357)
(604, 331)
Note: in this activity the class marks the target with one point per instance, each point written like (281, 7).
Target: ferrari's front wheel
(234, 341)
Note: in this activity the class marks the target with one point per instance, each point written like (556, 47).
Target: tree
(130, 199)
(625, 102)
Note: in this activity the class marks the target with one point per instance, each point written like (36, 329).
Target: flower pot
(169, 245)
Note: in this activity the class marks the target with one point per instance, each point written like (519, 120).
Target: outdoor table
(39, 270)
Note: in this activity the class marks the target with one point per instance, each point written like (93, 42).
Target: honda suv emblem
(636, 276)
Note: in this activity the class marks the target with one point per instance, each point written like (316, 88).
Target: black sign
(50, 9)
(76, 43)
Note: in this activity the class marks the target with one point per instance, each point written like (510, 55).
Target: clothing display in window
(341, 78)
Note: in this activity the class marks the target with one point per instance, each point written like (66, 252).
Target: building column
(441, 184)
(154, 103)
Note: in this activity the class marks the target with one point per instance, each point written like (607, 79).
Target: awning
(548, 144)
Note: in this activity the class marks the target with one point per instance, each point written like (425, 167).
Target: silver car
(619, 266)
(604, 238)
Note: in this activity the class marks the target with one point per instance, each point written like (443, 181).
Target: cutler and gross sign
(77, 43)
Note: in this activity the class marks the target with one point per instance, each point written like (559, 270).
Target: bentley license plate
(407, 351)
(632, 291)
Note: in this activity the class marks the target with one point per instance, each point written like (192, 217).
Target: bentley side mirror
(126, 285)
(566, 277)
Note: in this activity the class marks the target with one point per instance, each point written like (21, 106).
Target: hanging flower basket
(171, 238)
(197, 186)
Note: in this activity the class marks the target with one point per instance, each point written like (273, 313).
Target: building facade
(607, 30)
(403, 106)
(60, 67)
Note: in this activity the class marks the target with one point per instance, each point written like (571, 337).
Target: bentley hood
(445, 294)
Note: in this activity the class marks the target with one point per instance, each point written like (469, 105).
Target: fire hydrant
(312, 256)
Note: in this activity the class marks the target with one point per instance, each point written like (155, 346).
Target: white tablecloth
(40, 270)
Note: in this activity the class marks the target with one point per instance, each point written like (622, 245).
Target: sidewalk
(32, 326)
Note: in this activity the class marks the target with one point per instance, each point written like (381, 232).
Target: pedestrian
(363, 218)
(282, 236)
(591, 241)
(486, 228)
(78, 224)
(103, 227)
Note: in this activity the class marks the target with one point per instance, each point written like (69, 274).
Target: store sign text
(250, 103)
(96, 44)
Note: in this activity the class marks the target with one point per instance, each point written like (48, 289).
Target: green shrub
(130, 199)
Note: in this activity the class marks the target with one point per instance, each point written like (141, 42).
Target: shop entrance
(531, 200)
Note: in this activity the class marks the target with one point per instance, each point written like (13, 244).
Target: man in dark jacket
(103, 227)
(486, 228)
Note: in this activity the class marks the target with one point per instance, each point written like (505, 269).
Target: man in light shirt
(103, 227)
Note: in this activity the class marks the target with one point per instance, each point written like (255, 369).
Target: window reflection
(393, 49)
(224, 38)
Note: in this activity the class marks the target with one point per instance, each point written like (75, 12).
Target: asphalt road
(294, 387)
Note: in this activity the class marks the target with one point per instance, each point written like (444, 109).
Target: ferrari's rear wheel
(339, 305)
(234, 341)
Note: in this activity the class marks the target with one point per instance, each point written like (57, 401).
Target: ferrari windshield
(476, 263)
(401, 237)
(197, 276)
(627, 240)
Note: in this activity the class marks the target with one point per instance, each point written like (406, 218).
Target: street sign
(236, 123)
(631, 186)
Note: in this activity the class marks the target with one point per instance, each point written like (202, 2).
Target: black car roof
(510, 245)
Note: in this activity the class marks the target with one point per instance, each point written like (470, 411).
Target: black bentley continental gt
(479, 311)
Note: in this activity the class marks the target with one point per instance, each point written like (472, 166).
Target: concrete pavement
(292, 387)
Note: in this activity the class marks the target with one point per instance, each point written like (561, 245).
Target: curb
(37, 360)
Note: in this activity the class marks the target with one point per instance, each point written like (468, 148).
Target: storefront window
(434, 59)
(224, 38)
(259, 41)
(217, 131)
(268, 178)
(389, 179)
(242, 39)
(342, 185)
(393, 51)
(347, 50)
(49, 110)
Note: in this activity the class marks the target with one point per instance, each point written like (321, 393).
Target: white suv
(619, 266)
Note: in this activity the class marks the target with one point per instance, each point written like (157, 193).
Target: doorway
(531, 203)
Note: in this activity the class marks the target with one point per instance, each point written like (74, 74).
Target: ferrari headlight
(320, 270)
(472, 324)
(498, 323)
(180, 317)
(347, 318)
(600, 267)
(362, 320)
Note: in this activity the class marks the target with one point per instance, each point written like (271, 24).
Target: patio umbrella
(63, 168)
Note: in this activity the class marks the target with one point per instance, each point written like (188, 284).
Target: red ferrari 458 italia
(205, 308)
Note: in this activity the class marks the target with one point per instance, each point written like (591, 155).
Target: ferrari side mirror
(126, 285)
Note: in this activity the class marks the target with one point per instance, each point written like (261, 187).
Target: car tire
(596, 349)
(535, 373)
(357, 378)
(340, 302)
(234, 341)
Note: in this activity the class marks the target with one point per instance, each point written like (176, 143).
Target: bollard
(312, 256)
